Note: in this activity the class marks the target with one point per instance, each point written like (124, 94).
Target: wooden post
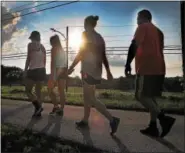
(67, 51)
(183, 37)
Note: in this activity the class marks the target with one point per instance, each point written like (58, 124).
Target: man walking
(147, 48)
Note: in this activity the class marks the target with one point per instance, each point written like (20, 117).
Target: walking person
(147, 48)
(92, 55)
(35, 71)
(58, 75)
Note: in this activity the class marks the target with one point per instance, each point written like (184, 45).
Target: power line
(74, 52)
(20, 7)
(41, 10)
(33, 7)
(114, 48)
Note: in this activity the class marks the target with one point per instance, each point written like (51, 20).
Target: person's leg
(52, 95)
(87, 103)
(38, 90)
(38, 104)
(28, 88)
(90, 92)
(166, 122)
(144, 96)
(61, 91)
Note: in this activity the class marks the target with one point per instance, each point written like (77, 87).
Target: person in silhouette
(35, 72)
(147, 48)
(92, 55)
(58, 75)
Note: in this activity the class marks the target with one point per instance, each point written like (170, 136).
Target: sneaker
(54, 110)
(114, 125)
(166, 123)
(60, 112)
(38, 109)
(82, 124)
(151, 131)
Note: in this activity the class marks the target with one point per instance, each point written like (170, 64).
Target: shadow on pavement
(6, 114)
(57, 126)
(122, 147)
(167, 144)
(53, 120)
(32, 122)
(86, 135)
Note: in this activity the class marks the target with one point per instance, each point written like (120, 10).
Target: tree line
(11, 75)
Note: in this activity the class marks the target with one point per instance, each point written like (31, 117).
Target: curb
(177, 111)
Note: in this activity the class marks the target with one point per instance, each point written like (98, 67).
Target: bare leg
(90, 89)
(61, 88)
(28, 87)
(38, 89)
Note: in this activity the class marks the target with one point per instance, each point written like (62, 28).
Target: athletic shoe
(166, 123)
(54, 110)
(38, 109)
(60, 112)
(151, 131)
(82, 124)
(114, 125)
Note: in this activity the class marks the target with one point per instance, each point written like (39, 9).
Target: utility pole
(183, 37)
(67, 50)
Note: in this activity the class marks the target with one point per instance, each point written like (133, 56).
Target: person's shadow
(167, 144)
(56, 121)
(122, 147)
(86, 135)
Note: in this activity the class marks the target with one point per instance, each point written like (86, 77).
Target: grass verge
(114, 99)
(16, 139)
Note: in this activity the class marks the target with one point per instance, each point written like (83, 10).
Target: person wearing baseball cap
(35, 72)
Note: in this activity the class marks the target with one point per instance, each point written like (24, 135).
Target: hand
(109, 76)
(127, 70)
(70, 70)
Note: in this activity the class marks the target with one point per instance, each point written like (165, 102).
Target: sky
(117, 23)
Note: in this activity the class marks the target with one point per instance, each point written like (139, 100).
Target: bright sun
(75, 39)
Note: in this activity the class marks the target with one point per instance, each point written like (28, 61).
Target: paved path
(128, 138)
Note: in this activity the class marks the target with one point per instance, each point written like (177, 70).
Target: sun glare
(75, 39)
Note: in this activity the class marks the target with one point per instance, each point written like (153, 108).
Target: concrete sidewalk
(128, 137)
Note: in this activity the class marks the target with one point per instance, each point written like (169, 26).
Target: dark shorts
(89, 79)
(149, 85)
(37, 74)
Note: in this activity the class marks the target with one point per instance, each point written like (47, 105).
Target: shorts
(38, 74)
(89, 79)
(149, 85)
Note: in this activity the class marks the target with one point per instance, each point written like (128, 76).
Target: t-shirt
(149, 58)
(93, 48)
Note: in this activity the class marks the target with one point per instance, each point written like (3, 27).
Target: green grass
(16, 139)
(111, 98)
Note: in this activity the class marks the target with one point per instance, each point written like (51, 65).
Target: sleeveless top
(36, 56)
(92, 59)
(60, 61)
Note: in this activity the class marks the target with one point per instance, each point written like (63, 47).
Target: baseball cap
(34, 34)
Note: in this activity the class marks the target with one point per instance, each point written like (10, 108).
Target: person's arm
(131, 53)
(136, 42)
(161, 35)
(80, 54)
(44, 50)
(105, 60)
(27, 59)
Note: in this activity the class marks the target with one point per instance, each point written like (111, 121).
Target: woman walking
(58, 75)
(35, 71)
